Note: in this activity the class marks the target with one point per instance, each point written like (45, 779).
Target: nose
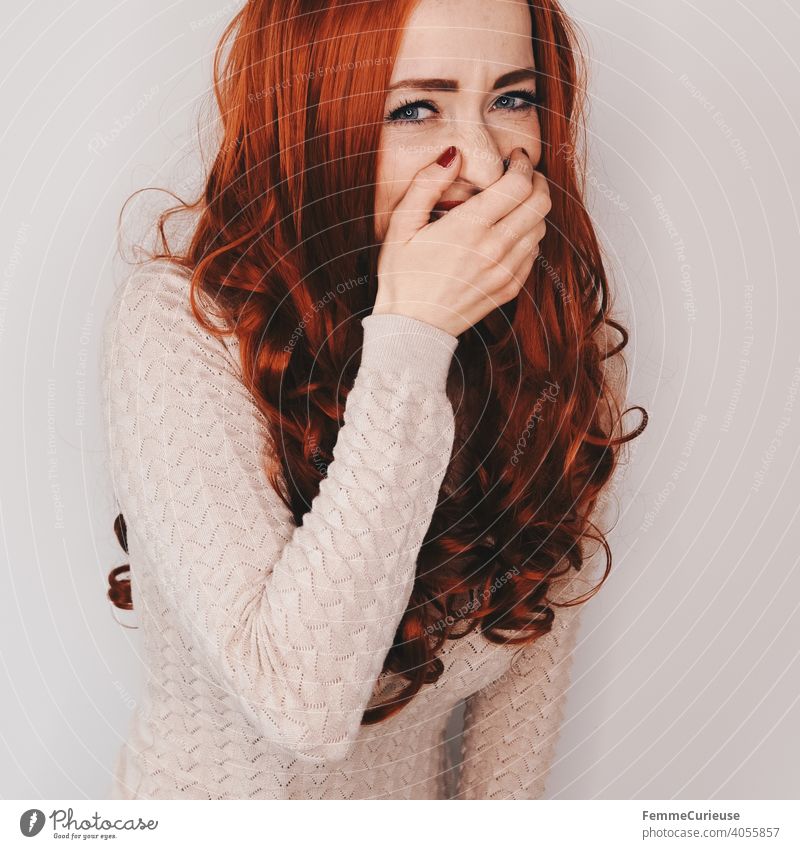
(483, 162)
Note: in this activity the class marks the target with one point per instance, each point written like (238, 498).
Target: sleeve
(295, 622)
(511, 726)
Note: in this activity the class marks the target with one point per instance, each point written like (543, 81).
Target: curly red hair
(288, 208)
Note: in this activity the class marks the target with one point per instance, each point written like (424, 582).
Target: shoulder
(159, 363)
(150, 285)
(150, 328)
(152, 304)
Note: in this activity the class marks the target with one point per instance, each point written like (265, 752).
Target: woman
(357, 429)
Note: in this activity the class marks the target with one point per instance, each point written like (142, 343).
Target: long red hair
(287, 212)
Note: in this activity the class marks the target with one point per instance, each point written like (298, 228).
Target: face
(465, 50)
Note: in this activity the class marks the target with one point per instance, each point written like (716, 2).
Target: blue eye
(408, 112)
(525, 97)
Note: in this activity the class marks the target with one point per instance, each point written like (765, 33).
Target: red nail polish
(447, 157)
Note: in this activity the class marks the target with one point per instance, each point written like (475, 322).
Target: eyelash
(529, 97)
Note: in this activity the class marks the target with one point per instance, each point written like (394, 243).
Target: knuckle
(544, 203)
(541, 193)
(511, 290)
(494, 251)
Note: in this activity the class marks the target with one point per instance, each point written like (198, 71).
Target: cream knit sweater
(263, 643)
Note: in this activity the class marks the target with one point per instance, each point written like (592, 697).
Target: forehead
(474, 38)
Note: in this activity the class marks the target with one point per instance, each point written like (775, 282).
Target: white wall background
(687, 671)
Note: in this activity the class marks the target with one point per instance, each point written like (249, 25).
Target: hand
(454, 271)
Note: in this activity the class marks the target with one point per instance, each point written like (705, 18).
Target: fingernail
(447, 157)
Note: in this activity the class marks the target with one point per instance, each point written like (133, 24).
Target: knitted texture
(263, 642)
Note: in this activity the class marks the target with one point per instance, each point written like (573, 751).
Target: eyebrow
(439, 84)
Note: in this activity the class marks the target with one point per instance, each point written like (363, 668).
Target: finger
(522, 271)
(533, 210)
(413, 211)
(505, 194)
(525, 246)
(515, 279)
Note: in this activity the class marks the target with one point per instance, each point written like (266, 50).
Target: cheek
(528, 134)
(536, 142)
(535, 150)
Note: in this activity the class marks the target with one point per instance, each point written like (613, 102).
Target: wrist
(408, 311)
(400, 343)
